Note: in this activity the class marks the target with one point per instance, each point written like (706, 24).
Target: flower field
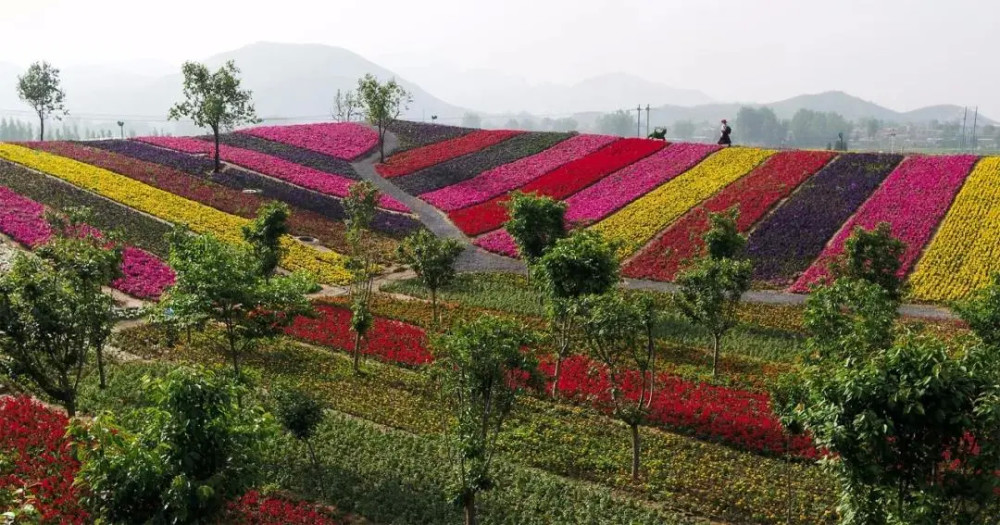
(294, 154)
(426, 156)
(343, 140)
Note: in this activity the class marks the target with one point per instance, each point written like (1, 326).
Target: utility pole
(964, 118)
(647, 120)
(121, 124)
(975, 119)
(638, 120)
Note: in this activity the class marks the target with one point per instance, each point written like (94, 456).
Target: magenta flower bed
(143, 275)
(344, 140)
(615, 191)
(511, 176)
(498, 241)
(322, 182)
(913, 200)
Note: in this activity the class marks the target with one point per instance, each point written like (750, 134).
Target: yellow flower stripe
(965, 251)
(635, 224)
(328, 267)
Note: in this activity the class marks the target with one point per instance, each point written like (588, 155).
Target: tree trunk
(715, 355)
(434, 306)
(357, 353)
(381, 143)
(100, 368)
(470, 509)
(218, 165)
(41, 128)
(312, 454)
(636, 449)
(70, 403)
(555, 377)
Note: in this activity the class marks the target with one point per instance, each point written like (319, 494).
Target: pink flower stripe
(913, 200)
(510, 176)
(322, 182)
(344, 140)
(498, 241)
(622, 187)
(420, 158)
(143, 275)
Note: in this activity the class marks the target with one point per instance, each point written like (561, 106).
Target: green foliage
(192, 449)
(619, 123)
(814, 128)
(710, 295)
(723, 240)
(536, 223)
(40, 88)
(382, 103)
(981, 310)
(849, 320)
(761, 126)
(874, 256)
(345, 106)
(298, 412)
(478, 362)
(360, 206)
(582, 264)
(264, 235)
(222, 283)
(913, 430)
(214, 100)
(432, 259)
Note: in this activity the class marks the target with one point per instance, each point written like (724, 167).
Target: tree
(535, 223)
(40, 88)
(619, 123)
(760, 126)
(849, 320)
(874, 256)
(360, 206)
(813, 128)
(981, 310)
(345, 106)
(619, 334)
(472, 120)
(300, 414)
(577, 266)
(382, 103)
(872, 127)
(710, 294)
(479, 363)
(51, 317)
(188, 450)
(432, 259)
(912, 430)
(264, 235)
(723, 239)
(565, 124)
(214, 100)
(223, 283)
(684, 129)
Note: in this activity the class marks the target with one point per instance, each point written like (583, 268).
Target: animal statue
(658, 134)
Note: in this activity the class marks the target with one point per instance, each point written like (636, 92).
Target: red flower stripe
(256, 509)
(755, 194)
(388, 340)
(559, 183)
(420, 158)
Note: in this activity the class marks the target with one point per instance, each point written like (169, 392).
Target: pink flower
(344, 140)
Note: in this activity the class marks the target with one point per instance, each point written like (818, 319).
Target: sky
(902, 54)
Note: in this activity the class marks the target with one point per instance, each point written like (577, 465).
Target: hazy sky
(900, 53)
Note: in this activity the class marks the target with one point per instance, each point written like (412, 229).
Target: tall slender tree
(382, 103)
(41, 89)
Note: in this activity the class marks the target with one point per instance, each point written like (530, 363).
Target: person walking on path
(725, 130)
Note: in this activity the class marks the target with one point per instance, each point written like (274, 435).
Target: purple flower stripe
(791, 238)
(344, 140)
(138, 150)
(467, 166)
(325, 183)
(418, 134)
(615, 191)
(912, 200)
(293, 154)
(511, 176)
(143, 275)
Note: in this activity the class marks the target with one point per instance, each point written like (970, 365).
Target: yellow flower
(964, 252)
(640, 221)
(327, 266)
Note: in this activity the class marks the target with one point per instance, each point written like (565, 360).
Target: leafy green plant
(536, 223)
(300, 414)
(982, 311)
(40, 87)
(381, 102)
(264, 235)
(723, 239)
(850, 319)
(873, 256)
(360, 206)
(432, 259)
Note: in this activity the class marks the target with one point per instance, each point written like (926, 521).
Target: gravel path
(7, 253)
(475, 259)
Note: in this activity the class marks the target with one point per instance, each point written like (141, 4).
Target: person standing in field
(724, 131)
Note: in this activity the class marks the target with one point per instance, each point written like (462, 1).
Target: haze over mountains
(297, 82)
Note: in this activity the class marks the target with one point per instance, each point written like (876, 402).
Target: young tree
(874, 256)
(222, 283)
(723, 239)
(360, 206)
(214, 100)
(849, 320)
(981, 310)
(264, 236)
(432, 259)
(382, 103)
(345, 106)
(618, 333)
(41, 89)
(184, 454)
(536, 223)
(479, 365)
(300, 414)
(577, 266)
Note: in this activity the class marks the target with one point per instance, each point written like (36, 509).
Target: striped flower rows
(343, 140)
(327, 266)
(912, 200)
(559, 183)
(641, 220)
(325, 183)
(502, 179)
(965, 251)
(293, 154)
(427, 156)
(417, 134)
(754, 194)
(143, 275)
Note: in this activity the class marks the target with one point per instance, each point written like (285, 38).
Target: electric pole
(964, 118)
(638, 120)
(975, 119)
(121, 125)
(647, 120)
